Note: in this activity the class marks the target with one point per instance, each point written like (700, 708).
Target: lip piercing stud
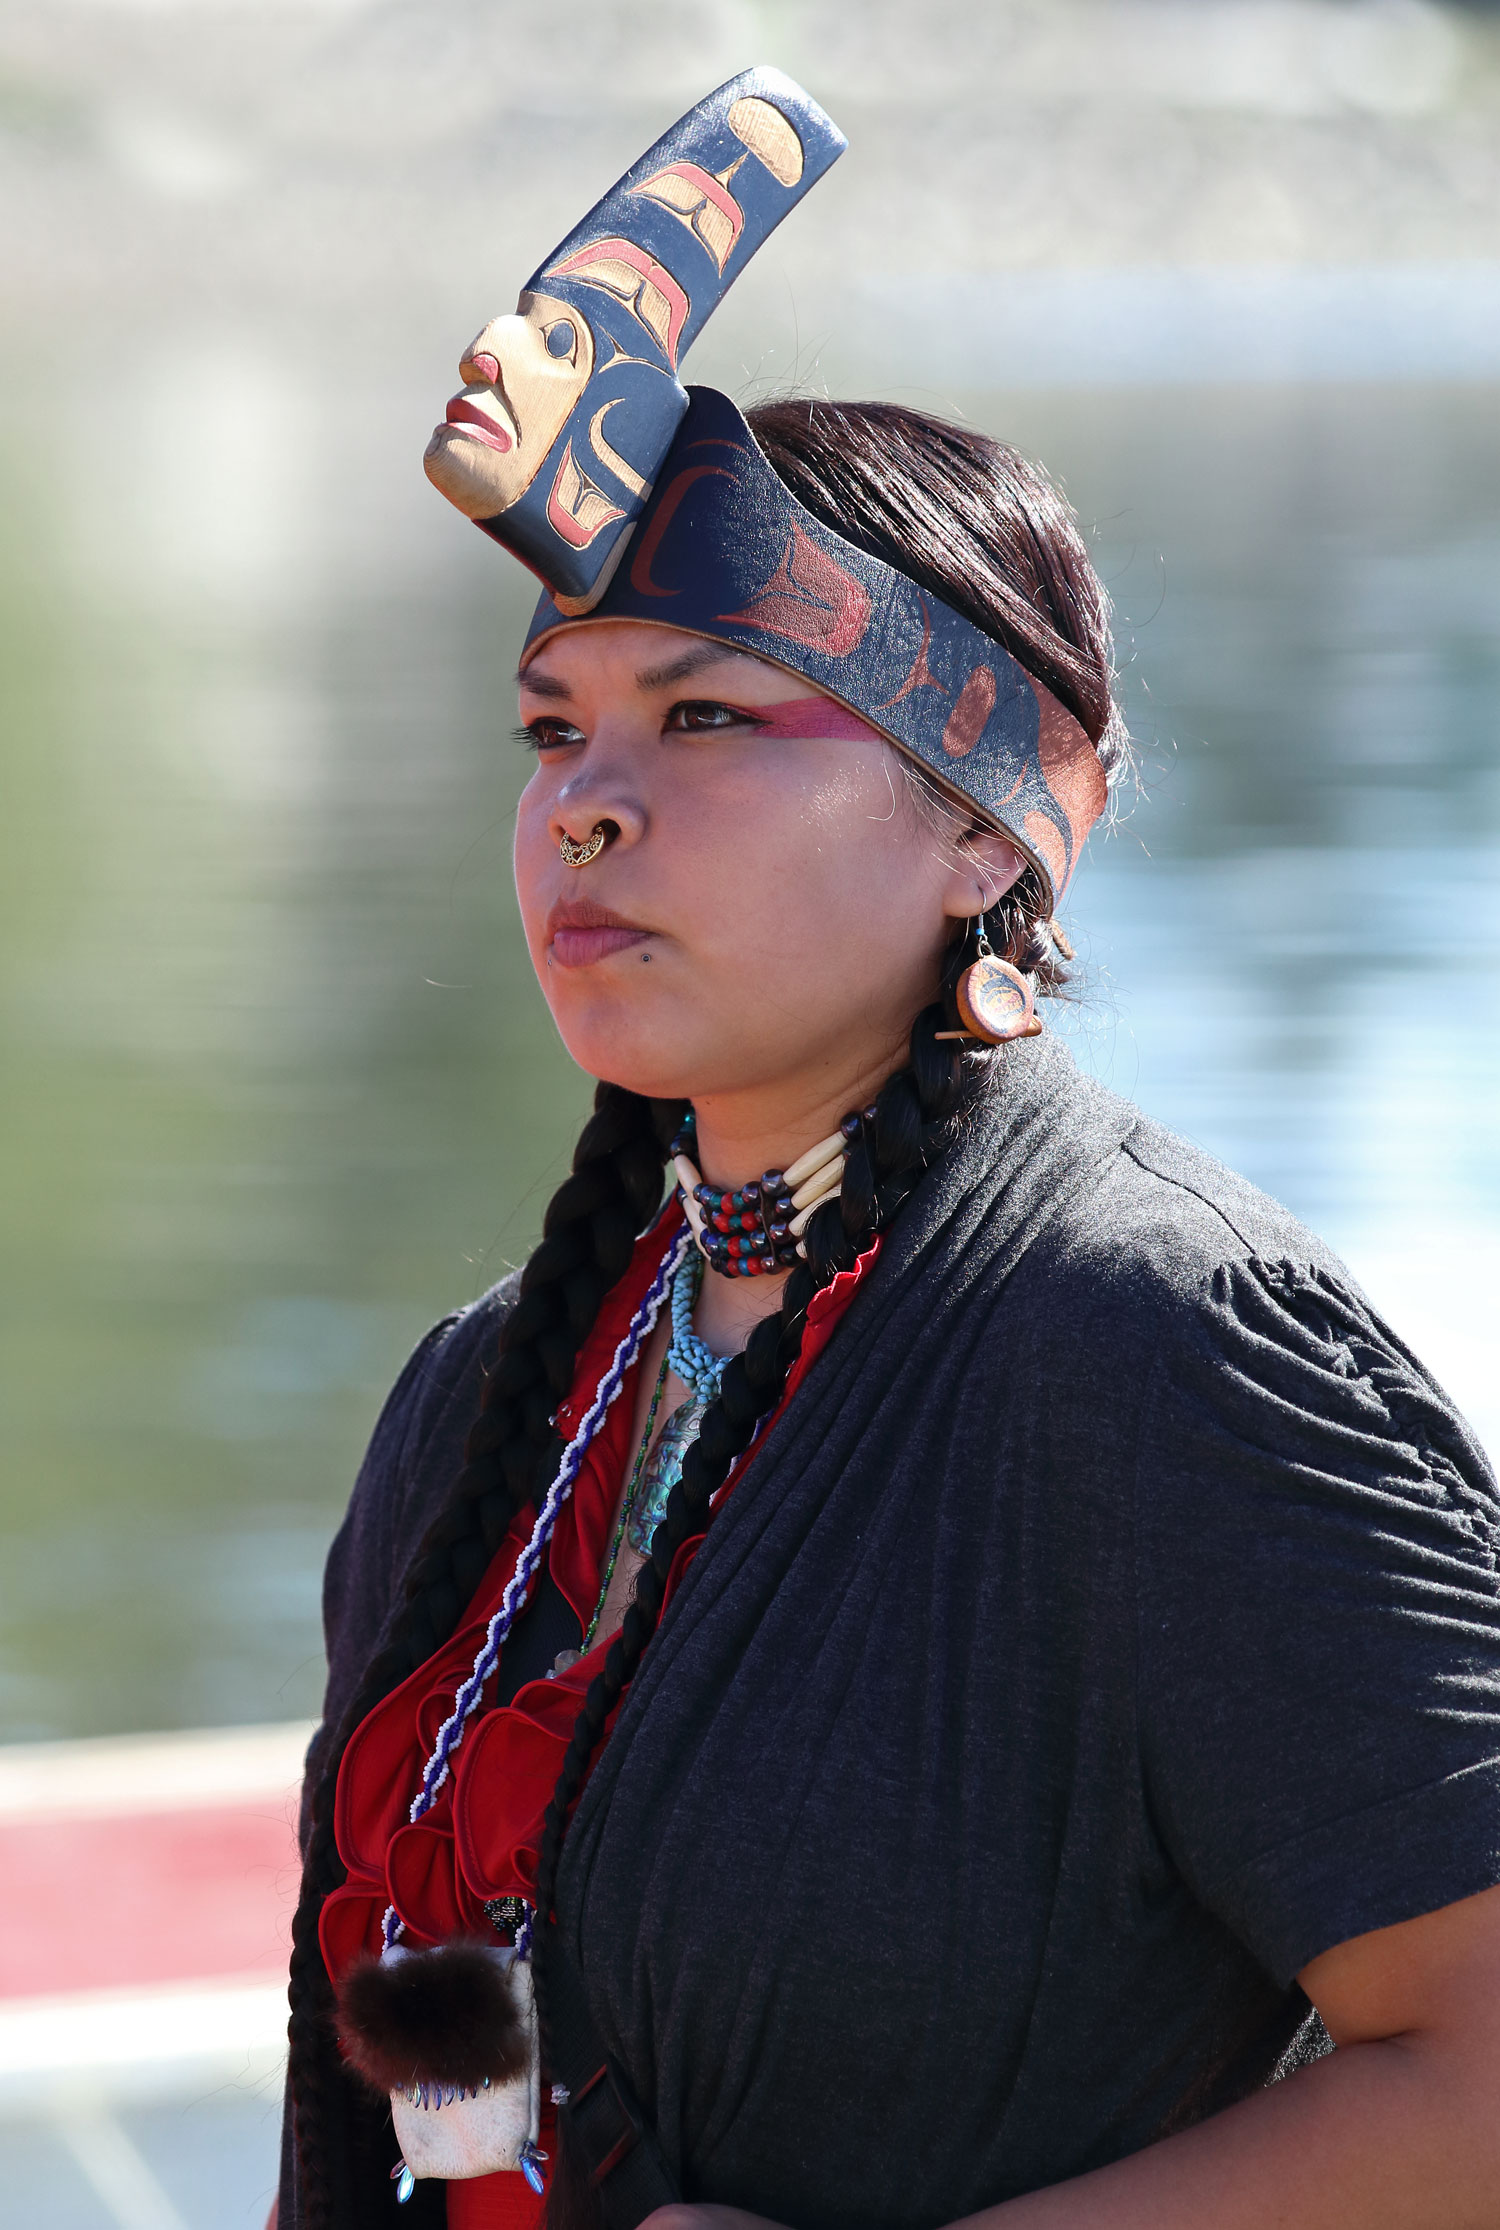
(579, 855)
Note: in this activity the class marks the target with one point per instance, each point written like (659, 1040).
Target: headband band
(724, 549)
(575, 446)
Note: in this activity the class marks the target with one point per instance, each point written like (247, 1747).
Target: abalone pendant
(995, 1001)
(662, 1472)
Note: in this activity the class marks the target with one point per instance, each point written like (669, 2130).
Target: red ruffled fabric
(480, 1839)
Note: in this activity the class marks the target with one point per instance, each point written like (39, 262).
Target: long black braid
(342, 2135)
(342, 2132)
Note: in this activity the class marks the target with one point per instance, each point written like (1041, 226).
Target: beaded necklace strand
(693, 1359)
(451, 1733)
(759, 1226)
(700, 1370)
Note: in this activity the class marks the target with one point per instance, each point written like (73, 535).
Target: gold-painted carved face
(522, 378)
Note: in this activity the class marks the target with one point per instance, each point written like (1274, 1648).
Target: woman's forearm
(1399, 2134)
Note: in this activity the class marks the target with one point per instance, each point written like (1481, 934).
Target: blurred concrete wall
(381, 172)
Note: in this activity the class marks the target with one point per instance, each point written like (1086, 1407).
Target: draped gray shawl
(1110, 1625)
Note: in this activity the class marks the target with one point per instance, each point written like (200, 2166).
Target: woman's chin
(659, 1063)
(618, 1050)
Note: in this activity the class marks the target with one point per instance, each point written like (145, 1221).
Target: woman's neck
(742, 1135)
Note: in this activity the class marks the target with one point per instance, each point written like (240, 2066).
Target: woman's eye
(697, 716)
(549, 735)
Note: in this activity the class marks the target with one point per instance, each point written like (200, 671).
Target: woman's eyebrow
(690, 662)
(553, 687)
(542, 685)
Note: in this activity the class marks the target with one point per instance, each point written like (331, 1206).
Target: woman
(956, 1748)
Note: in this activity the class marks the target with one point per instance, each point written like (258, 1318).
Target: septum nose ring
(579, 855)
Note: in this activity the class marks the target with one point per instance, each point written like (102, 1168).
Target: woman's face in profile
(771, 906)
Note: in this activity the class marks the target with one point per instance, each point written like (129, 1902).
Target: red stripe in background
(95, 1904)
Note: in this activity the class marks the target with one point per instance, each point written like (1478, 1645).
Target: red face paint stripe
(803, 718)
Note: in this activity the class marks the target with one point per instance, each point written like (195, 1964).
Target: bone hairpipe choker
(760, 1226)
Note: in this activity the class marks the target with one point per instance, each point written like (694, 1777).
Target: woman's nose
(596, 794)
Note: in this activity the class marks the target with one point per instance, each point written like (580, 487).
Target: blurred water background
(276, 1088)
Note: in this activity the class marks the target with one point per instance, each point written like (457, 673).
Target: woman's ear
(982, 868)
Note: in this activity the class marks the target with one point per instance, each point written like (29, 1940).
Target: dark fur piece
(444, 2016)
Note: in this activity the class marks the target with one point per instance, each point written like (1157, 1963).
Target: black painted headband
(724, 549)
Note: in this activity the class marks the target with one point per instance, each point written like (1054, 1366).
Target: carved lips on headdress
(575, 445)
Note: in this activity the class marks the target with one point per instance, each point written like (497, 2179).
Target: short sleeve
(1318, 1541)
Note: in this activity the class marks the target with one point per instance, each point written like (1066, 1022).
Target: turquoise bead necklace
(657, 1470)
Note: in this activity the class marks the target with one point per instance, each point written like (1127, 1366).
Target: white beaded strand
(451, 1733)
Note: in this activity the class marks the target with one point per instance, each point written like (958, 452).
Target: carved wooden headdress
(576, 446)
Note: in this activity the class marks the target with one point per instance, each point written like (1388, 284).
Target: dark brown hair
(973, 522)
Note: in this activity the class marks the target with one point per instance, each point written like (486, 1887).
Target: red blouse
(481, 1837)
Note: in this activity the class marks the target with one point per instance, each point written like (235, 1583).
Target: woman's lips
(467, 418)
(580, 932)
(579, 948)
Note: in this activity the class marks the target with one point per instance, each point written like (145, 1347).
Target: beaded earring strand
(759, 1226)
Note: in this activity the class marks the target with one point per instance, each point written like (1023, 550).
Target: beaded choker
(759, 1227)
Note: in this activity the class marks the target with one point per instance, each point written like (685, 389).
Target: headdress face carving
(523, 376)
(569, 405)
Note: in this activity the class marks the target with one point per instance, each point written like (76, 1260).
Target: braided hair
(340, 2131)
(989, 534)
(906, 1129)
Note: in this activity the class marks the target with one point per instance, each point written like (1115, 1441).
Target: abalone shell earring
(995, 1001)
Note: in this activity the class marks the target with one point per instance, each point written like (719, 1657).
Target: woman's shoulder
(1315, 1568)
(1162, 1238)
(443, 1371)
(1195, 1294)
(414, 1455)
(1171, 1218)
(1110, 1215)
